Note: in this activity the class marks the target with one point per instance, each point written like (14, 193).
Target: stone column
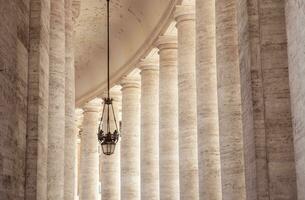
(275, 162)
(235, 101)
(207, 105)
(168, 119)
(77, 171)
(56, 129)
(70, 136)
(38, 100)
(130, 144)
(110, 165)
(89, 161)
(149, 129)
(78, 127)
(295, 21)
(185, 17)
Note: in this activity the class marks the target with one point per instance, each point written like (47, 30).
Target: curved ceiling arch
(135, 24)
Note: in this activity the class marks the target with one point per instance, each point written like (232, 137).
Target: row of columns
(189, 130)
(146, 158)
(177, 75)
(50, 171)
(51, 138)
(220, 127)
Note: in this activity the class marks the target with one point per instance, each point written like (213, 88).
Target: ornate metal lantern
(108, 138)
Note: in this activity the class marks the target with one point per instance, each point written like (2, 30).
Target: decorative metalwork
(108, 138)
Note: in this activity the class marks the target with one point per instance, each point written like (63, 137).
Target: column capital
(94, 105)
(149, 64)
(115, 94)
(184, 13)
(130, 82)
(167, 42)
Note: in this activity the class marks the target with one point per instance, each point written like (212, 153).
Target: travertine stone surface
(130, 140)
(70, 136)
(110, 165)
(258, 103)
(38, 80)
(14, 32)
(237, 150)
(168, 120)
(56, 130)
(189, 183)
(89, 160)
(207, 104)
(78, 127)
(271, 100)
(149, 129)
(295, 23)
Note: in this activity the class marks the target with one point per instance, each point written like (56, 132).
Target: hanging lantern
(108, 138)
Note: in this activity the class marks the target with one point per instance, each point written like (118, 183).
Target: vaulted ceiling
(135, 24)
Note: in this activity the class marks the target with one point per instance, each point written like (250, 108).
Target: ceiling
(135, 24)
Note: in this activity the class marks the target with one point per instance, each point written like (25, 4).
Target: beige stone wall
(295, 23)
(36, 166)
(14, 31)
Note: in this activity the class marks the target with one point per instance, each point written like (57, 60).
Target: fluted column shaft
(110, 165)
(185, 17)
(56, 129)
(168, 119)
(70, 136)
(207, 104)
(130, 144)
(89, 161)
(149, 129)
(235, 101)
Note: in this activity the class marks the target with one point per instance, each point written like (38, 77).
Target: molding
(167, 42)
(130, 82)
(149, 64)
(184, 13)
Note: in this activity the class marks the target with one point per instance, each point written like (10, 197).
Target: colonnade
(194, 129)
(210, 117)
